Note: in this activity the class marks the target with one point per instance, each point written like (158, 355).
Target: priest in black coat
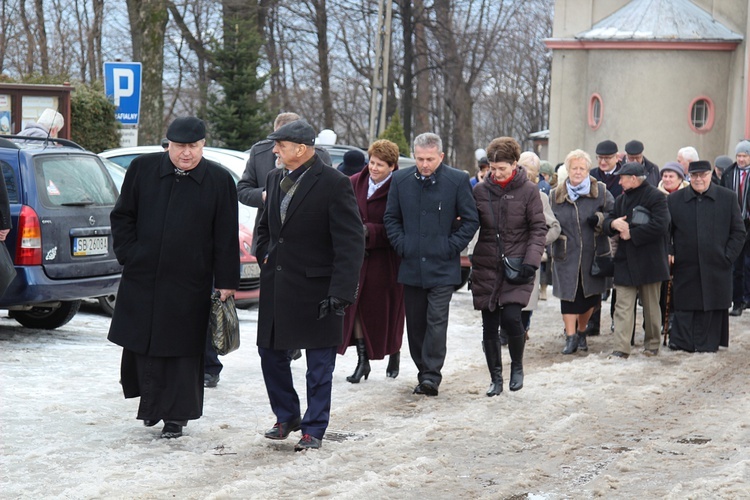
(174, 229)
(707, 235)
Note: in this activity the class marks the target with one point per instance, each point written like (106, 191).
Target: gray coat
(573, 252)
(707, 236)
(421, 221)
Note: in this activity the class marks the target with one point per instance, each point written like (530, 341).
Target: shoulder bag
(603, 266)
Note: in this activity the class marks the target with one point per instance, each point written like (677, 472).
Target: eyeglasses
(701, 175)
(607, 157)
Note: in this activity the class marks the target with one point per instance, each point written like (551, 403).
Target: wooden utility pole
(380, 74)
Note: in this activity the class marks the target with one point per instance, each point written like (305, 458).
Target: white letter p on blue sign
(122, 84)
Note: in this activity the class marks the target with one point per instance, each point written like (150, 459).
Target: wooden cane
(666, 307)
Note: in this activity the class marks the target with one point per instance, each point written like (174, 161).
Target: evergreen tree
(237, 118)
(395, 133)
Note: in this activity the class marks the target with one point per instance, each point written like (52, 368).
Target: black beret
(354, 162)
(632, 168)
(606, 148)
(699, 166)
(186, 130)
(634, 147)
(298, 132)
(483, 161)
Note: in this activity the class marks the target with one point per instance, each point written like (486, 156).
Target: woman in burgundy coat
(375, 322)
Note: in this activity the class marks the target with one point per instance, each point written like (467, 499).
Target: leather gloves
(527, 270)
(593, 221)
(333, 305)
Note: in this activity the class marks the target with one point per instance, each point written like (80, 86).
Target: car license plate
(251, 270)
(90, 245)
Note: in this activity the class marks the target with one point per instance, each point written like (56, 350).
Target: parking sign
(122, 84)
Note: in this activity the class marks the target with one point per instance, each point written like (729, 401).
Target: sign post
(122, 84)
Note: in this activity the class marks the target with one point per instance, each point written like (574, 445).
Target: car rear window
(73, 180)
(10, 182)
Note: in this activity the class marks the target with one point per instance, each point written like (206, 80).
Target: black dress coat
(176, 238)
(707, 235)
(643, 258)
(316, 253)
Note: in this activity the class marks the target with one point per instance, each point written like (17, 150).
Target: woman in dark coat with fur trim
(375, 322)
(510, 215)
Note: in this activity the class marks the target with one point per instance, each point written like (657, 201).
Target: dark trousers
(741, 276)
(211, 363)
(277, 373)
(508, 317)
(427, 328)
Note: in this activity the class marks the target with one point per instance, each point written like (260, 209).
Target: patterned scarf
(582, 189)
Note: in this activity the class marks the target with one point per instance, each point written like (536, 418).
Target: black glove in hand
(330, 305)
(593, 221)
(527, 270)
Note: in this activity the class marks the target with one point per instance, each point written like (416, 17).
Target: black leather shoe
(394, 361)
(281, 430)
(295, 354)
(210, 380)
(150, 423)
(737, 309)
(308, 442)
(428, 388)
(618, 354)
(171, 430)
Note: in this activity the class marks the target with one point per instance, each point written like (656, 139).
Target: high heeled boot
(516, 345)
(394, 360)
(582, 344)
(363, 364)
(493, 353)
(571, 344)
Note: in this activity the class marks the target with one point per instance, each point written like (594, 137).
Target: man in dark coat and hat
(310, 248)
(174, 229)
(634, 153)
(641, 220)
(707, 235)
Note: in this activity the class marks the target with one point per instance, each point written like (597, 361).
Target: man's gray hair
(428, 140)
(688, 153)
(284, 118)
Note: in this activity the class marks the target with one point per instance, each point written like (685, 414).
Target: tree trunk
(422, 73)
(148, 22)
(321, 25)
(95, 42)
(42, 37)
(457, 92)
(30, 39)
(407, 24)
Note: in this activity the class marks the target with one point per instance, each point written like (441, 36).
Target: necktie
(743, 177)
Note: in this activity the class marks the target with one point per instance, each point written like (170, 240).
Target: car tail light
(29, 241)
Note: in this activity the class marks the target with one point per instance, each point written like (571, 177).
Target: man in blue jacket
(430, 218)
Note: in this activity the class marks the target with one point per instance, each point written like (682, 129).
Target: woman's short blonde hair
(385, 150)
(577, 154)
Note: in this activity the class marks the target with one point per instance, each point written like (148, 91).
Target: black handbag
(223, 325)
(603, 266)
(641, 216)
(7, 271)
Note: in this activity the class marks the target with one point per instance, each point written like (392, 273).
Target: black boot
(493, 352)
(515, 348)
(571, 344)
(593, 327)
(363, 364)
(582, 344)
(394, 361)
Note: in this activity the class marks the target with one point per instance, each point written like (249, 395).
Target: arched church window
(596, 111)
(701, 114)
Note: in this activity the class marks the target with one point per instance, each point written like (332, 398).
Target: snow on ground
(673, 426)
